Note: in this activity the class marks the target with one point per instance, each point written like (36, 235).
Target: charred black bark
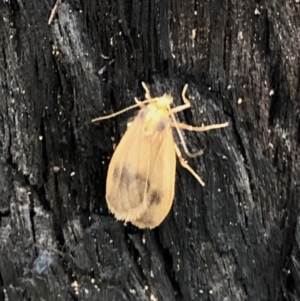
(238, 238)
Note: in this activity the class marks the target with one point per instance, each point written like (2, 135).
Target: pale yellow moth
(140, 182)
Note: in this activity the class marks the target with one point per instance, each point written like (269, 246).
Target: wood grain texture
(235, 239)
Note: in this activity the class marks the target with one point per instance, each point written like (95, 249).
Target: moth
(140, 181)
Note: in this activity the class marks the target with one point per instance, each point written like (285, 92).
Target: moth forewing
(128, 173)
(160, 192)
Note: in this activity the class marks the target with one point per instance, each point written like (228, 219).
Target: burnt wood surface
(237, 238)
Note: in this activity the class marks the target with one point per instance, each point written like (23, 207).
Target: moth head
(164, 101)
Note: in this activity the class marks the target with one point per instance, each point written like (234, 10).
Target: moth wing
(162, 174)
(128, 173)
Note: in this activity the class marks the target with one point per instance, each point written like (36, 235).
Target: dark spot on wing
(154, 197)
(154, 194)
(143, 112)
(139, 182)
(126, 177)
(142, 184)
(116, 173)
(162, 124)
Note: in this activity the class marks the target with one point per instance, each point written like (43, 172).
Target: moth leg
(186, 105)
(182, 140)
(202, 128)
(185, 165)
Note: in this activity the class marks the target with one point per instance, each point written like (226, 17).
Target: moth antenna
(186, 104)
(138, 104)
(147, 91)
(185, 100)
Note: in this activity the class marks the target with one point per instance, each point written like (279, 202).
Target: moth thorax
(155, 118)
(156, 113)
